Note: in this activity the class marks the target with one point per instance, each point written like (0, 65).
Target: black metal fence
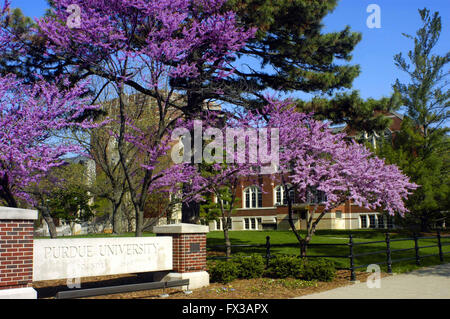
(351, 256)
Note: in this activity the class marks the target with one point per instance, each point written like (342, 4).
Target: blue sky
(378, 46)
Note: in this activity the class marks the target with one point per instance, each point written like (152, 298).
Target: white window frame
(376, 218)
(255, 194)
(283, 199)
(251, 223)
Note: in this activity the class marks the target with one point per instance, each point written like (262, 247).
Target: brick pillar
(189, 252)
(16, 253)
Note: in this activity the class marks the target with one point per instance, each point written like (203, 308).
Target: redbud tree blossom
(312, 158)
(146, 47)
(30, 115)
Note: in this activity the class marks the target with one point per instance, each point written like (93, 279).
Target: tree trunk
(291, 220)
(303, 248)
(72, 228)
(50, 223)
(190, 212)
(139, 221)
(226, 234)
(424, 224)
(117, 219)
(6, 195)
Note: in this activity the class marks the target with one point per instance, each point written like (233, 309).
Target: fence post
(388, 253)
(441, 255)
(416, 247)
(267, 251)
(352, 262)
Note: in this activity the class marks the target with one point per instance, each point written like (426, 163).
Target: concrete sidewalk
(426, 283)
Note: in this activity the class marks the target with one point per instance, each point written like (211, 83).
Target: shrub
(223, 271)
(318, 269)
(284, 267)
(279, 267)
(305, 269)
(250, 267)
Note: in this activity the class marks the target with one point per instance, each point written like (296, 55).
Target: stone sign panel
(75, 258)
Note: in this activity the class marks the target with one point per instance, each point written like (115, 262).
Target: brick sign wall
(189, 252)
(16, 253)
(183, 256)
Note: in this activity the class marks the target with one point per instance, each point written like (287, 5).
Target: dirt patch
(261, 288)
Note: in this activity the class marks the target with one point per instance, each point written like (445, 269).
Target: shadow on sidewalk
(439, 270)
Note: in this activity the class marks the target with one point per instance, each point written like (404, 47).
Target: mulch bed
(261, 288)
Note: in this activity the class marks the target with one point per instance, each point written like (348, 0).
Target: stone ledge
(197, 279)
(181, 229)
(18, 293)
(9, 213)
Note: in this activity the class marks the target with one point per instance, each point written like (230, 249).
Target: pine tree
(350, 109)
(422, 146)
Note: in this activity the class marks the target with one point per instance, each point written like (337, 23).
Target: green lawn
(321, 237)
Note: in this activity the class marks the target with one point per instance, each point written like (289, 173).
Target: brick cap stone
(181, 229)
(9, 213)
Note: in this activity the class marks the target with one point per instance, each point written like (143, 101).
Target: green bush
(250, 267)
(284, 267)
(223, 271)
(279, 267)
(305, 269)
(318, 269)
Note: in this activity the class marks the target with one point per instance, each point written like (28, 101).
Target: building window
(372, 221)
(303, 214)
(219, 224)
(280, 195)
(316, 196)
(363, 221)
(380, 221)
(375, 221)
(390, 222)
(338, 214)
(251, 223)
(253, 197)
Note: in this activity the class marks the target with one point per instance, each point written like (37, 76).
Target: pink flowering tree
(153, 48)
(313, 159)
(225, 161)
(30, 115)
